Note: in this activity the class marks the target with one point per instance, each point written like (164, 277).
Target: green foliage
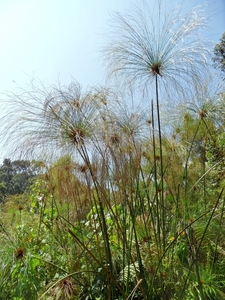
(219, 54)
(16, 176)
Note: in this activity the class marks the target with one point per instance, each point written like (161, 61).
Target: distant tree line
(219, 55)
(16, 176)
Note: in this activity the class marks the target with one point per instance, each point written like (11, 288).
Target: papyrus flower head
(147, 42)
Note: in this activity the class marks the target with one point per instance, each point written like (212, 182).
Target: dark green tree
(219, 55)
(16, 176)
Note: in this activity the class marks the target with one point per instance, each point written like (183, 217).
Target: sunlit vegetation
(113, 202)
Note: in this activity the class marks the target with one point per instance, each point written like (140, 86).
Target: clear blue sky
(51, 39)
(60, 39)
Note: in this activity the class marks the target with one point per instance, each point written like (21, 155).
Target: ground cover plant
(123, 206)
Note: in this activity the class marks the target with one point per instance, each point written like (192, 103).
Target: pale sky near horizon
(57, 40)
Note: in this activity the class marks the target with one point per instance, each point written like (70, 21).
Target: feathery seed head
(59, 119)
(146, 42)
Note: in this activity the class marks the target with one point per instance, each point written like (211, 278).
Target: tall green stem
(156, 182)
(161, 162)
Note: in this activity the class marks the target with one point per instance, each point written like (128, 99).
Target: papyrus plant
(158, 50)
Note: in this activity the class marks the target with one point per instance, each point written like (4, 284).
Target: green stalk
(218, 236)
(162, 204)
(172, 244)
(102, 222)
(150, 208)
(144, 287)
(186, 168)
(156, 184)
(92, 256)
(200, 243)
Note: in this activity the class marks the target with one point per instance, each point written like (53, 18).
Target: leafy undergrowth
(111, 245)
